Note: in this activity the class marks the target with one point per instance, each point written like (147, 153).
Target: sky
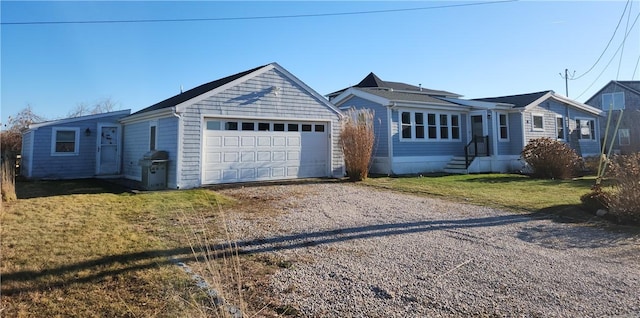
(472, 48)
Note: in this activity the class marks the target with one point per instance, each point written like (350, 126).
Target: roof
(194, 92)
(372, 80)
(633, 86)
(404, 96)
(518, 101)
(120, 113)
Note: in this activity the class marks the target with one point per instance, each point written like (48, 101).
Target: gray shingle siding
(630, 119)
(136, 144)
(514, 145)
(253, 98)
(381, 126)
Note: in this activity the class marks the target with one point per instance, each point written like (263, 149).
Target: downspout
(179, 144)
(390, 136)
(524, 137)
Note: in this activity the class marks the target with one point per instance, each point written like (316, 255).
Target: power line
(609, 43)
(635, 68)
(614, 55)
(257, 17)
(623, 41)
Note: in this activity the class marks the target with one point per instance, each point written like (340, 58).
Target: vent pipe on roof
(420, 86)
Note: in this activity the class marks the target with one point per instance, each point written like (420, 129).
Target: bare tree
(104, 105)
(11, 137)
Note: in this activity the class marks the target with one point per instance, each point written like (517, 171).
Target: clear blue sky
(476, 51)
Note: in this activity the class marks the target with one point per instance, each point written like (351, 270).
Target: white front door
(108, 157)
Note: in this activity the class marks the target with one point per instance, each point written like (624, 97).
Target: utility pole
(566, 80)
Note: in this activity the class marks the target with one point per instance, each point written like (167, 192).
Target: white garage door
(253, 150)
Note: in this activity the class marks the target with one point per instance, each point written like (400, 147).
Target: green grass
(508, 191)
(81, 249)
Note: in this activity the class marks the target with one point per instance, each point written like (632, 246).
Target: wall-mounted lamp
(275, 90)
(87, 132)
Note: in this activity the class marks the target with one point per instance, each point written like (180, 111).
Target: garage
(245, 150)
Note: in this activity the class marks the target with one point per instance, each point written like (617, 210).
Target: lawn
(507, 191)
(88, 249)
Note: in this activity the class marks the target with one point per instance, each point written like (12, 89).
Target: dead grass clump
(357, 142)
(8, 187)
(625, 204)
(550, 159)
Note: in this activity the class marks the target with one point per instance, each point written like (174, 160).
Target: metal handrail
(474, 141)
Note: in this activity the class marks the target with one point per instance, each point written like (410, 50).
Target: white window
(560, 128)
(65, 141)
(623, 137)
(503, 123)
(586, 129)
(406, 125)
(537, 121)
(153, 132)
(613, 101)
(438, 126)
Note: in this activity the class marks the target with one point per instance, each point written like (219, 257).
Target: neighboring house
(79, 147)
(261, 124)
(621, 97)
(423, 130)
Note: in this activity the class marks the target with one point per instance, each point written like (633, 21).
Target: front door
(108, 149)
(478, 144)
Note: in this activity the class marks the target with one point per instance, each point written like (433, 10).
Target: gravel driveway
(361, 252)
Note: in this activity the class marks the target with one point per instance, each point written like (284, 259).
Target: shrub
(625, 204)
(550, 159)
(357, 142)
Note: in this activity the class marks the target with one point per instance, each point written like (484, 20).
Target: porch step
(457, 165)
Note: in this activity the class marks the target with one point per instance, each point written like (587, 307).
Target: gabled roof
(194, 92)
(532, 99)
(633, 86)
(521, 100)
(399, 96)
(373, 81)
(120, 113)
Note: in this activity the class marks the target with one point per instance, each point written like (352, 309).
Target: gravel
(361, 252)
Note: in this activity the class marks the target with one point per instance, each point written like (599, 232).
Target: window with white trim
(623, 137)
(560, 127)
(65, 141)
(439, 126)
(153, 132)
(503, 124)
(586, 129)
(406, 125)
(537, 121)
(613, 101)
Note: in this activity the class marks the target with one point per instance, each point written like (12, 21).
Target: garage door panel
(231, 141)
(248, 156)
(248, 141)
(241, 155)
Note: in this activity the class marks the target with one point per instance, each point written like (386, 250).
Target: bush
(625, 204)
(551, 159)
(357, 143)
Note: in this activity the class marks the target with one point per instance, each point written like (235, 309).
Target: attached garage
(258, 125)
(257, 150)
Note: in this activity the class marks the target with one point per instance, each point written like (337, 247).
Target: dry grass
(357, 139)
(8, 186)
(79, 249)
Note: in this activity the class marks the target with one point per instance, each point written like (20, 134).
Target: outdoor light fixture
(87, 132)
(275, 90)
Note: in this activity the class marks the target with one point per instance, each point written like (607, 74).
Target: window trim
(153, 130)
(76, 145)
(612, 94)
(506, 125)
(533, 121)
(628, 137)
(592, 128)
(425, 118)
(564, 128)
